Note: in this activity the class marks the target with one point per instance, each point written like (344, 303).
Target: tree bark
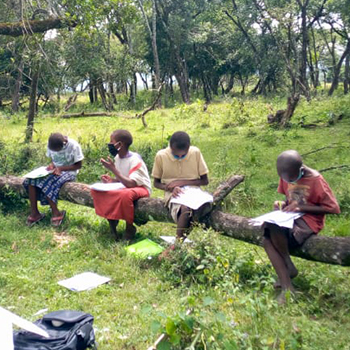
(347, 74)
(335, 81)
(35, 26)
(32, 105)
(18, 84)
(331, 250)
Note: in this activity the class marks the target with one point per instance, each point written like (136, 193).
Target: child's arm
(158, 184)
(127, 182)
(58, 170)
(312, 209)
(202, 181)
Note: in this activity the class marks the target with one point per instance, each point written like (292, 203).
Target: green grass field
(232, 299)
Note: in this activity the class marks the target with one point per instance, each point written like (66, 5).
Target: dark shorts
(296, 236)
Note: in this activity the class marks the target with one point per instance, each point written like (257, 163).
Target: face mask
(179, 157)
(301, 174)
(112, 150)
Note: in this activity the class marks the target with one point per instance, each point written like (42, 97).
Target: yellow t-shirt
(168, 169)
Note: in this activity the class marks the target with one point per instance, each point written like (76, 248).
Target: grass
(232, 298)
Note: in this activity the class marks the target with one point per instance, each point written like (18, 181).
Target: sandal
(56, 221)
(31, 222)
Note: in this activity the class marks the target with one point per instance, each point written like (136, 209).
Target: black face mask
(112, 150)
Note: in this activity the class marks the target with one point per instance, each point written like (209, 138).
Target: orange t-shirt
(313, 190)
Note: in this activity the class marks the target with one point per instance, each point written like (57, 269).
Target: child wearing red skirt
(129, 169)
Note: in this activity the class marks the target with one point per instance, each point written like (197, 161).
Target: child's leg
(113, 227)
(54, 208)
(183, 221)
(280, 242)
(276, 247)
(34, 212)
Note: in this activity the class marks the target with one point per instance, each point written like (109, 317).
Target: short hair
(56, 141)
(123, 136)
(289, 161)
(180, 140)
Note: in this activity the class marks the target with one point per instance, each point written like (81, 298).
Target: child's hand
(108, 164)
(279, 205)
(56, 171)
(176, 192)
(170, 186)
(293, 206)
(106, 179)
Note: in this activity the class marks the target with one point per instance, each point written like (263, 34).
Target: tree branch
(34, 26)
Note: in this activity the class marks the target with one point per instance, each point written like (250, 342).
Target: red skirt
(118, 204)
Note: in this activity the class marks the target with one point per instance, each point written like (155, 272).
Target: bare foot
(281, 298)
(130, 232)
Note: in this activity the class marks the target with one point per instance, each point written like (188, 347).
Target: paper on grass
(38, 172)
(6, 334)
(172, 239)
(278, 217)
(193, 197)
(7, 319)
(100, 186)
(84, 281)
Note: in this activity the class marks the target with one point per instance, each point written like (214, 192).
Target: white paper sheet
(172, 239)
(84, 281)
(21, 323)
(6, 334)
(193, 197)
(100, 186)
(38, 172)
(278, 217)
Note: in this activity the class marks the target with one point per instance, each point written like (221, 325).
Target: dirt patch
(62, 238)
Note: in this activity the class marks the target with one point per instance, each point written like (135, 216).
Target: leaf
(170, 326)
(164, 345)
(175, 339)
(155, 326)
(200, 267)
(208, 301)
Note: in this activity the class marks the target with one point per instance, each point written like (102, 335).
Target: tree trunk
(112, 96)
(305, 43)
(230, 84)
(102, 92)
(32, 105)
(331, 250)
(347, 74)
(18, 84)
(335, 81)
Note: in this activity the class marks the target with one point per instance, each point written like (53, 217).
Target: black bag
(68, 330)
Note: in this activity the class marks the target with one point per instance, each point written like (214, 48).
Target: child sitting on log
(66, 160)
(177, 166)
(129, 169)
(306, 192)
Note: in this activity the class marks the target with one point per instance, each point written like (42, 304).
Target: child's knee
(185, 211)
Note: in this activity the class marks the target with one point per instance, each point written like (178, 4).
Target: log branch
(34, 26)
(331, 250)
(152, 107)
(86, 114)
(335, 167)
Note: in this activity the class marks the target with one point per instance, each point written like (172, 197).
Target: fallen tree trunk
(331, 250)
(87, 114)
